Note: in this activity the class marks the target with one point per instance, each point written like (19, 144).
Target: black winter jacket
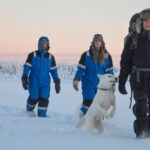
(139, 57)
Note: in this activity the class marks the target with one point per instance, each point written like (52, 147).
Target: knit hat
(97, 37)
(145, 14)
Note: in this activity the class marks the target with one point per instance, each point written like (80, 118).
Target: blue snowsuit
(38, 67)
(87, 72)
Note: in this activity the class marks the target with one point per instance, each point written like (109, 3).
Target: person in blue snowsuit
(36, 77)
(92, 62)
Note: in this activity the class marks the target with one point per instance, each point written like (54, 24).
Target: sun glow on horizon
(70, 26)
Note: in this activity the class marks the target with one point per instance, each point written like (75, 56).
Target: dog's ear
(99, 76)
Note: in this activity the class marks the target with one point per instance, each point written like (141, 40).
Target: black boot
(140, 110)
(141, 128)
(149, 124)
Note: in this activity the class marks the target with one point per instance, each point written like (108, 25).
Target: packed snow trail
(18, 131)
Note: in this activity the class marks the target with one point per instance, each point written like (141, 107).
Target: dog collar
(104, 89)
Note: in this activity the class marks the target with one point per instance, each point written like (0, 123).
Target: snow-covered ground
(18, 131)
(57, 132)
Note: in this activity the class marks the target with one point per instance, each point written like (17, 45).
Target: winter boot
(42, 107)
(31, 103)
(141, 128)
(84, 110)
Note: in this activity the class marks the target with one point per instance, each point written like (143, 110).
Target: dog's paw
(112, 113)
(114, 88)
(105, 115)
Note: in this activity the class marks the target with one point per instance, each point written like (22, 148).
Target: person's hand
(76, 84)
(57, 86)
(122, 89)
(25, 82)
(114, 88)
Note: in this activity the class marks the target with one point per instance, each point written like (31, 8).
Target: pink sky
(70, 25)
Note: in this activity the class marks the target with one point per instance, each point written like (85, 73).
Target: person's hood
(145, 14)
(43, 39)
(134, 23)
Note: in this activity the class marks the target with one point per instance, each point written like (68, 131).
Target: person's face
(146, 24)
(98, 44)
(44, 45)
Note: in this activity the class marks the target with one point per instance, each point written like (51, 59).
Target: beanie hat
(97, 37)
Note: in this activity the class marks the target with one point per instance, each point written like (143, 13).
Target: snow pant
(40, 95)
(141, 110)
(88, 93)
(85, 105)
(42, 105)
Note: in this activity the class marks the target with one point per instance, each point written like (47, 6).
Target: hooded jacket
(87, 72)
(138, 57)
(38, 67)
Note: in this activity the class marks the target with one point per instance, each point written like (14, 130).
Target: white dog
(103, 106)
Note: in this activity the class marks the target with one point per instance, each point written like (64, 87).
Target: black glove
(57, 86)
(25, 82)
(122, 89)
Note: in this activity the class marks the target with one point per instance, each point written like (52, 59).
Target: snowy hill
(13, 70)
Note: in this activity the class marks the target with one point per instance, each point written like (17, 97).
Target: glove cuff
(75, 79)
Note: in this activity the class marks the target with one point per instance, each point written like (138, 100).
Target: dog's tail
(80, 123)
